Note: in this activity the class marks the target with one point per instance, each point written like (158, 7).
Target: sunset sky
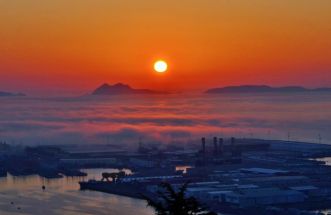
(69, 47)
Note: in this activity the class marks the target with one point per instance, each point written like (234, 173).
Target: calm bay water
(62, 196)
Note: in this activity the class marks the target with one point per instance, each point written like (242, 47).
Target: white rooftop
(301, 188)
(219, 192)
(263, 170)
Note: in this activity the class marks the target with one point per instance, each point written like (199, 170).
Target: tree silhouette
(170, 202)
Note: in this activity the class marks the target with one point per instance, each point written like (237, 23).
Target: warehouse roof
(263, 170)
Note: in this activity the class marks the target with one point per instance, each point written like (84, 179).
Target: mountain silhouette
(10, 94)
(119, 88)
(264, 89)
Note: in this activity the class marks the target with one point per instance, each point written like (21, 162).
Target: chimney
(233, 147)
(140, 145)
(203, 145)
(232, 141)
(215, 147)
(220, 146)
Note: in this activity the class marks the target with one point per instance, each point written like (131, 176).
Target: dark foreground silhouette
(172, 202)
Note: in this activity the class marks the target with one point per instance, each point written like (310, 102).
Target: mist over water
(165, 118)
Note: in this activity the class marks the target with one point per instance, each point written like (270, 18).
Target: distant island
(7, 94)
(264, 89)
(119, 89)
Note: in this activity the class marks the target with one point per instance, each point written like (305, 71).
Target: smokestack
(140, 146)
(215, 146)
(220, 147)
(233, 141)
(233, 149)
(203, 145)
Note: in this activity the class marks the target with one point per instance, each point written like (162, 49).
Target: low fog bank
(164, 119)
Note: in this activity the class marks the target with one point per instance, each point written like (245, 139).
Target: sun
(160, 66)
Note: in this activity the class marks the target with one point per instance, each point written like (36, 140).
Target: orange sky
(71, 46)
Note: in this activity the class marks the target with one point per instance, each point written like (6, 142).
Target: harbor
(24, 195)
(228, 175)
(235, 176)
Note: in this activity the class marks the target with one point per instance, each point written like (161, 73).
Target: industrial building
(263, 196)
(88, 161)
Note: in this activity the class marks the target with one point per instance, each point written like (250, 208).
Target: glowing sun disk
(160, 66)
